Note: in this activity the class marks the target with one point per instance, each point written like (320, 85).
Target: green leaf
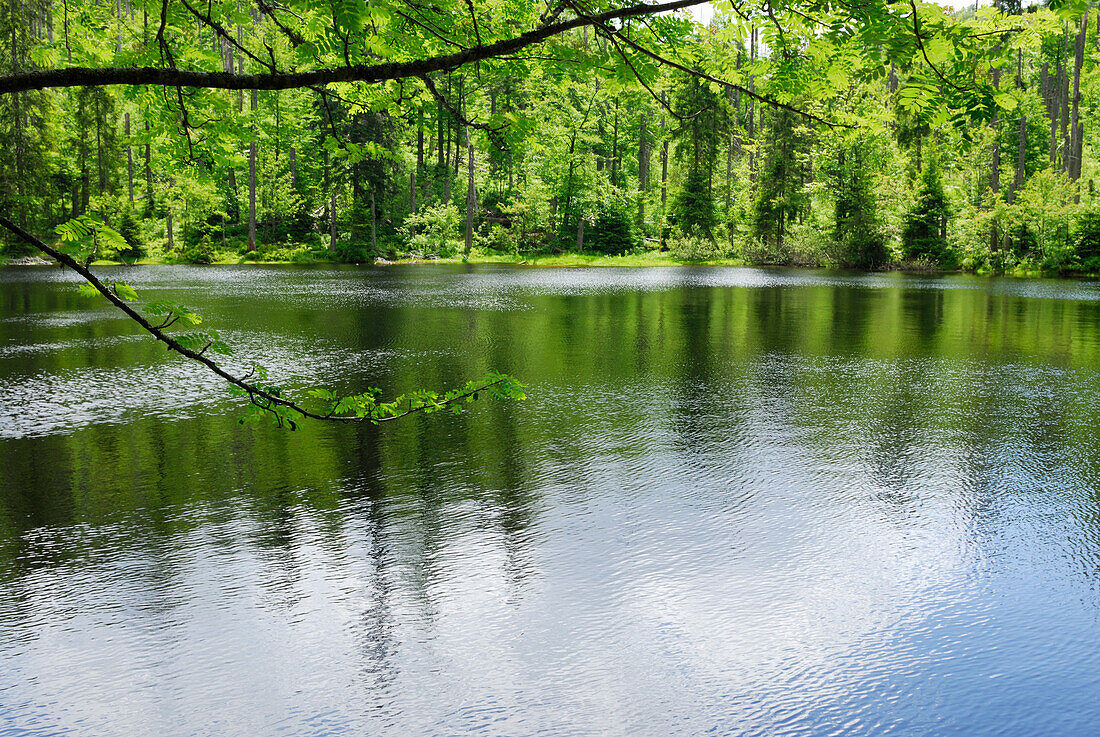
(125, 291)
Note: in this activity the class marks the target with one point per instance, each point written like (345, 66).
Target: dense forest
(920, 136)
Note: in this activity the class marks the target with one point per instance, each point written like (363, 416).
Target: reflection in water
(738, 501)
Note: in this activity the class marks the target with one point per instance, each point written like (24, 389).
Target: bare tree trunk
(1047, 83)
(412, 201)
(643, 170)
(752, 108)
(332, 219)
(331, 207)
(580, 233)
(1021, 160)
(373, 225)
(615, 148)
(252, 185)
(664, 175)
(129, 162)
(471, 193)
(293, 168)
(148, 174)
(729, 165)
(995, 175)
(442, 152)
(420, 142)
(101, 170)
(1076, 145)
(17, 111)
(1063, 93)
(168, 226)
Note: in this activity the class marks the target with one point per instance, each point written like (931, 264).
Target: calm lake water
(736, 502)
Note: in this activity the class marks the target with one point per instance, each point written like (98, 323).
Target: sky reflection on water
(737, 502)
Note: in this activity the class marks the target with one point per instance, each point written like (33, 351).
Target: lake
(736, 502)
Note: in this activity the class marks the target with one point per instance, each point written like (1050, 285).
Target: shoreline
(573, 260)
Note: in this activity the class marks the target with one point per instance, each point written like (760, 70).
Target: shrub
(925, 233)
(612, 233)
(684, 247)
(202, 252)
(130, 231)
(693, 208)
(436, 230)
(858, 232)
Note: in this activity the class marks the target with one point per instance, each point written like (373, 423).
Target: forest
(890, 135)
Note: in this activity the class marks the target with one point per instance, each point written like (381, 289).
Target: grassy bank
(568, 259)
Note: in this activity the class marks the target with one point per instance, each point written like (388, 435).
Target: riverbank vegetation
(923, 137)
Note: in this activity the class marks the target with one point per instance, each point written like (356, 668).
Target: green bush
(693, 208)
(202, 252)
(437, 230)
(858, 232)
(684, 247)
(1086, 236)
(925, 234)
(613, 232)
(130, 231)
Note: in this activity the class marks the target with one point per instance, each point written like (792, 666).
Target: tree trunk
(1063, 94)
(129, 162)
(331, 206)
(995, 175)
(17, 113)
(615, 148)
(580, 233)
(148, 175)
(169, 228)
(101, 172)
(471, 194)
(442, 152)
(252, 184)
(729, 171)
(1075, 129)
(1048, 84)
(664, 188)
(1021, 160)
(420, 142)
(332, 219)
(373, 225)
(412, 201)
(643, 170)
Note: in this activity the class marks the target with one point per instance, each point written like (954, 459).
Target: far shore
(572, 259)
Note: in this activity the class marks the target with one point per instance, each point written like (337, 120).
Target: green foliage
(698, 248)
(86, 239)
(130, 231)
(925, 234)
(203, 341)
(1041, 219)
(201, 253)
(781, 198)
(693, 211)
(1087, 236)
(612, 232)
(367, 406)
(173, 313)
(857, 233)
(578, 135)
(436, 230)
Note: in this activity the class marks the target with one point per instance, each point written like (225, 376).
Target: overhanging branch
(260, 397)
(366, 73)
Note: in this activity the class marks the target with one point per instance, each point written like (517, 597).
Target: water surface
(737, 502)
